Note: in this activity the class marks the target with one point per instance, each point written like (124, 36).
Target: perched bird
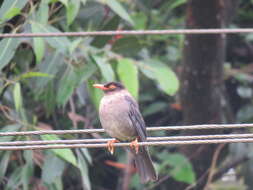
(120, 117)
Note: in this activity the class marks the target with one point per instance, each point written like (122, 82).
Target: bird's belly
(117, 124)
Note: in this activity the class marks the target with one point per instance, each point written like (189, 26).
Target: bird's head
(110, 86)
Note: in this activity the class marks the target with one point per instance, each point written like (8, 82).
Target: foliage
(43, 80)
(46, 83)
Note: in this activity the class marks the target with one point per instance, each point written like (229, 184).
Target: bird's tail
(144, 165)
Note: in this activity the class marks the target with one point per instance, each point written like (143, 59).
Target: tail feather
(144, 165)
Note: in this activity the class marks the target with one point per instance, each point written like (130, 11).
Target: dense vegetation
(46, 83)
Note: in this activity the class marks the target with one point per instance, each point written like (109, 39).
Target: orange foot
(134, 145)
(110, 145)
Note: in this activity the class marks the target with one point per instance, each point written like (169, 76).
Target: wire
(158, 128)
(128, 32)
(103, 140)
(153, 143)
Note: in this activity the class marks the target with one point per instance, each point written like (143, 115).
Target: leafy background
(46, 83)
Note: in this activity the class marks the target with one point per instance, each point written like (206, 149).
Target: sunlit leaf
(65, 154)
(9, 9)
(34, 74)
(94, 93)
(17, 96)
(128, 74)
(72, 10)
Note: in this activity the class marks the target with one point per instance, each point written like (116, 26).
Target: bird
(120, 117)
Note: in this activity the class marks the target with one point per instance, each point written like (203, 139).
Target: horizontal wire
(153, 143)
(102, 140)
(158, 128)
(129, 32)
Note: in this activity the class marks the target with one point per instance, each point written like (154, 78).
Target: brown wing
(136, 118)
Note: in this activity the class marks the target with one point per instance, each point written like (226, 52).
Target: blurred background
(46, 83)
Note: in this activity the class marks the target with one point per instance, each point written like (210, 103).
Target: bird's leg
(134, 145)
(110, 145)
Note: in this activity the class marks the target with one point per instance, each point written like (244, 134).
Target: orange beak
(100, 86)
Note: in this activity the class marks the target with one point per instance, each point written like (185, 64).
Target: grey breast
(114, 118)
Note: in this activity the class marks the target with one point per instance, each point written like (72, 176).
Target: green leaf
(74, 44)
(84, 2)
(27, 169)
(73, 77)
(162, 74)
(86, 154)
(14, 181)
(4, 162)
(82, 164)
(11, 13)
(140, 20)
(42, 13)
(8, 47)
(94, 93)
(50, 65)
(53, 168)
(154, 107)
(101, 41)
(17, 96)
(128, 74)
(9, 128)
(59, 43)
(64, 2)
(34, 74)
(181, 168)
(128, 46)
(66, 86)
(65, 154)
(38, 43)
(118, 9)
(105, 68)
(9, 9)
(72, 10)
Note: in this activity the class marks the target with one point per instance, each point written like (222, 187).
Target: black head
(110, 86)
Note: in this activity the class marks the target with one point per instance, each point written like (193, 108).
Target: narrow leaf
(128, 74)
(17, 96)
(8, 47)
(65, 154)
(119, 9)
(9, 9)
(105, 68)
(72, 10)
(53, 168)
(34, 74)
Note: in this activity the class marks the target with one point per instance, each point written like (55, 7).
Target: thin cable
(128, 32)
(103, 140)
(153, 143)
(158, 128)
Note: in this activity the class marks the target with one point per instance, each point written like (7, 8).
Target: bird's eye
(112, 86)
